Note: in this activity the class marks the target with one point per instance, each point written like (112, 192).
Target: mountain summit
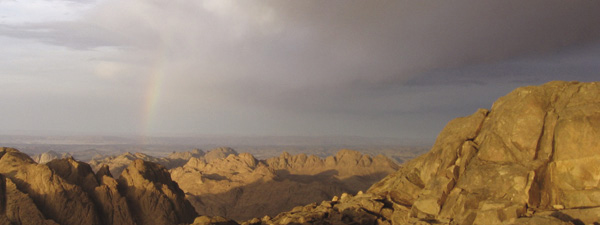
(65, 191)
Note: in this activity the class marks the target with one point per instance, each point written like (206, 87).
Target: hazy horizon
(383, 69)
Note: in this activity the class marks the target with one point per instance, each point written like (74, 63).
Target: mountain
(532, 159)
(118, 163)
(240, 187)
(47, 157)
(65, 191)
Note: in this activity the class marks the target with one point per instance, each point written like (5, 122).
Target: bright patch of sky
(35, 11)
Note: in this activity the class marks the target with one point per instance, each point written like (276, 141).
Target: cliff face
(533, 158)
(65, 191)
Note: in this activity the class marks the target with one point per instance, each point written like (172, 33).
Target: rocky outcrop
(176, 159)
(111, 207)
(17, 207)
(235, 186)
(65, 191)
(219, 153)
(47, 157)
(153, 197)
(56, 198)
(220, 188)
(118, 163)
(532, 159)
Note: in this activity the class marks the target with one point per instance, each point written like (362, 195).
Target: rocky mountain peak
(531, 159)
(46, 157)
(66, 191)
(219, 153)
(159, 199)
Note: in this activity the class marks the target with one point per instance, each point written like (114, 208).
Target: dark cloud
(318, 67)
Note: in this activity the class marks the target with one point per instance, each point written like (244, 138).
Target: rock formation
(219, 153)
(65, 191)
(17, 207)
(177, 159)
(532, 159)
(118, 163)
(47, 157)
(150, 191)
(235, 186)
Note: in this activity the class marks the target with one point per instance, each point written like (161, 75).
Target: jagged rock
(219, 153)
(216, 188)
(75, 172)
(17, 207)
(177, 159)
(487, 168)
(66, 191)
(118, 163)
(532, 159)
(56, 198)
(153, 197)
(101, 187)
(46, 157)
(113, 206)
(103, 171)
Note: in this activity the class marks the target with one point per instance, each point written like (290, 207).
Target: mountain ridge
(531, 159)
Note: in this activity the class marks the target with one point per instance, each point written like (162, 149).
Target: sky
(398, 69)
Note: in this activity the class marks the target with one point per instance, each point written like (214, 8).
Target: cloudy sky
(310, 68)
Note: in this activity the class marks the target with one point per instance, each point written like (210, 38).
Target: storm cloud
(366, 68)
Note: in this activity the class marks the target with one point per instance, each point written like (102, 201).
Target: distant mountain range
(532, 159)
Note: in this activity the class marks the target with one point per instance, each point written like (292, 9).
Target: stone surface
(532, 159)
(46, 157)
(17, 207)
(152, 196)
(56, 198)
(66, 191)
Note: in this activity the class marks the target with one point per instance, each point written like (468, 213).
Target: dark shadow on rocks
(566, 218)
(282, 194)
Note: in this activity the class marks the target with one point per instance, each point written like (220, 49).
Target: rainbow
(152, 96)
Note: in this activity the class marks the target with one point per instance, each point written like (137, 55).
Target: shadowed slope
(241, 187)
